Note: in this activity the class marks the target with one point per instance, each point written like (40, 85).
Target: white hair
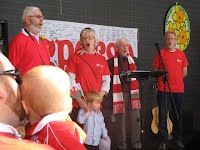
(28, 12)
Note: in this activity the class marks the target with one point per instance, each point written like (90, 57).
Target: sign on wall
(63, 38)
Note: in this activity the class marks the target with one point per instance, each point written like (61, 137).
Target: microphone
(157, 46)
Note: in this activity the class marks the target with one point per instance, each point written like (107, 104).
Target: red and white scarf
(118, 101)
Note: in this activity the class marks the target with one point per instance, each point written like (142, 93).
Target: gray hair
(91, 32)
(28, 12)
(119, 41)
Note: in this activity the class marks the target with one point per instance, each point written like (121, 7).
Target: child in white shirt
(93, 121)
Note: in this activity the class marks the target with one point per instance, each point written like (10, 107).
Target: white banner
(63, 38)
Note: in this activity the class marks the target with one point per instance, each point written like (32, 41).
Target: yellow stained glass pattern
(178, 21)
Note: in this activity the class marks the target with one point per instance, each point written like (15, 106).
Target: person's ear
(28, 20)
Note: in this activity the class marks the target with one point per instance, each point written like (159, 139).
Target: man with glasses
(124, 98)
(12, 113)
(27, 49)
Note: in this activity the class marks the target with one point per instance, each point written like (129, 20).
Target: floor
(149, 139)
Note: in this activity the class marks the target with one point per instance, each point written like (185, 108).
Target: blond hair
(170, 32)
(91, 32)
(93, 96)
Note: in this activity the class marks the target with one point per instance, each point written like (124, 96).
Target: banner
(63, 38)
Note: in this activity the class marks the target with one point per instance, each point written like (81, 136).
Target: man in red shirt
(27, 49)
(47, 103)
(12, 112)
(175, 62)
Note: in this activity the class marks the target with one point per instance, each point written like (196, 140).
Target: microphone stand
(165, 80)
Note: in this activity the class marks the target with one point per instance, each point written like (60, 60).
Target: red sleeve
(156, 62)
(15, 50)
(71, 64)
(185, 61)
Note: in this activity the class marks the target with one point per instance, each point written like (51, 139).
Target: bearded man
(27, 49)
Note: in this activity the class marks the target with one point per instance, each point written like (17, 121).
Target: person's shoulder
(60, 127)
(75, 55)
(81, 110)
(19, 38)
(16, 144)
(111, 59)
(163, 49)
(100, 56)
(69, 130)
(179, 51)
(19, 35)
(100, 114)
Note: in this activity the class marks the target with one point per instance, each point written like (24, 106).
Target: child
(47, 103)
(94, 125)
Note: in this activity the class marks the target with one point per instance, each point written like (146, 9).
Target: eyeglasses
(38, 16)
(14, 72)
(89, 38)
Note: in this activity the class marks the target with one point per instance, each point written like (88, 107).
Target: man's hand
(102, 93)
(82, 103)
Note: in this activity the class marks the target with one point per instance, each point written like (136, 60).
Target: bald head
(46, 89)
(5, 64)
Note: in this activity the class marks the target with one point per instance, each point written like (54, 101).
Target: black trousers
(91, 147)
(177, 123)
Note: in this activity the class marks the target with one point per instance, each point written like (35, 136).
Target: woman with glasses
(89, 68)
(27, 49)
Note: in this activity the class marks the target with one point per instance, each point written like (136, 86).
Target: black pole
(142, 115)
(165, 80)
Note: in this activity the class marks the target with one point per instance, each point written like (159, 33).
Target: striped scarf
(118, 101)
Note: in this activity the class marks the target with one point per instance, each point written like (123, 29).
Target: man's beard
(15, 103)
(36, 29)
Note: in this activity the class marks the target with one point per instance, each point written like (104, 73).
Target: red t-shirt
(174, 62)
(58, 134)
(89, 76)
(25, 53)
